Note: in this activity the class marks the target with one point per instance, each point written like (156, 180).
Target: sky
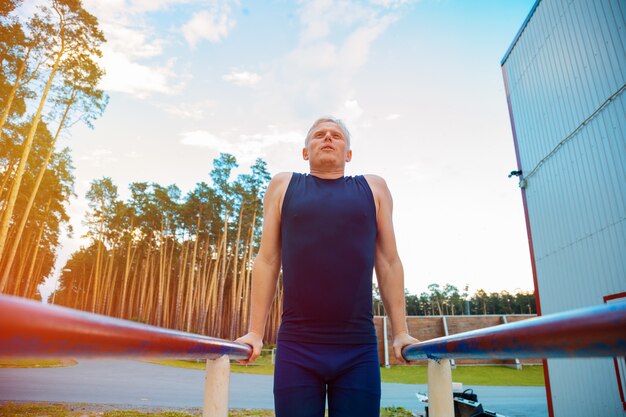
(418, 83)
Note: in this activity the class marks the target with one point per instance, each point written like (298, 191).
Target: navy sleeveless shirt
(328, 231)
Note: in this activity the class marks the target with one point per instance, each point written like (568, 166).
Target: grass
(36, 363)
(468, 375)
(262, 366)
(11, 409)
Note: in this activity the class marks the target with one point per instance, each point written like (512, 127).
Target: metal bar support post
(216, 386)
(440, 402)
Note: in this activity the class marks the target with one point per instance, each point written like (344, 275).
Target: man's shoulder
(278, 184)
(379, 187)
(376, 181)
(281, 178)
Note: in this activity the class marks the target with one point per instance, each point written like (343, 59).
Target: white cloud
(319, 16)
(334, 43)
(193, 111)
(204, 139)
(156, 5)
(98, 157)
(131, 39)
(355, 50)
(208, 25)
(245, 147)
(391, 3)
(392, 116)
(125, 75)
(353, 110)
(133, 155)
(242, 78)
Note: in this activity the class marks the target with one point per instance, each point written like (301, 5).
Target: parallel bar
(588, 332)
(30, 329)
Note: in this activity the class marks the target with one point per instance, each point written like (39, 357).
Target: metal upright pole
(216, 387)
(440, 403)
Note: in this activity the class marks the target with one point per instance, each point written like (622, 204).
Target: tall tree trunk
(192, 276)
(149, 293)
(144, 281)
(29, 276)
(99, 250)
(233, 282)
(134, 283)
(167, 318)
(222, 281)
(8, 174)
(127, 266)
(17, 85)
(108, 286)
(161, 274)
(31, 199)
(204, 280)
(18, 271)
(180, 311)
(213, 291)
(8, 213)
(248, 279)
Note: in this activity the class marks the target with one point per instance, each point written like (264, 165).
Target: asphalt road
(137, 384)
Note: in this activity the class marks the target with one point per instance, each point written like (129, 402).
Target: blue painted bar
(29, 329)
(598, 331)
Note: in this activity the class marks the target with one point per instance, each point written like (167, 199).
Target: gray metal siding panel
(579, 398)
(569, 60)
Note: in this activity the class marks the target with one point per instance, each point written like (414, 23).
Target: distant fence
(432, 327)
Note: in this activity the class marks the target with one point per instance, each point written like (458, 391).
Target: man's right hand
(255, 341)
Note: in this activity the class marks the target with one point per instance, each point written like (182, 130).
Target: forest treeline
(48, 82)
(181, 262)
(450, 301)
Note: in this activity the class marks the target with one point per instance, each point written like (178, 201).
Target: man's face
(327, 144)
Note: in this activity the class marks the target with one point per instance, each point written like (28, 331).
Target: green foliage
(450, 301)
(48, 72)
(395, 412)
(160, 233)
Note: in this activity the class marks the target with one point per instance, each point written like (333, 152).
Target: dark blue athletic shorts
(306, 372)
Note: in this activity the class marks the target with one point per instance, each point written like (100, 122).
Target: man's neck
(327, 174)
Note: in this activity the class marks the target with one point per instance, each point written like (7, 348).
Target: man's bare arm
(389, 270)
(266, 266)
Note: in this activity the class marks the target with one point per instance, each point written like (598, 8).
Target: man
(328, 232)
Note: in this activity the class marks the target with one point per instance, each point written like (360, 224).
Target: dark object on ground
(468, 394)
(466, 405)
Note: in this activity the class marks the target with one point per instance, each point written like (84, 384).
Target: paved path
(131, 383)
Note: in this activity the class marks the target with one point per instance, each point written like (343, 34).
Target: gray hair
(330, 119)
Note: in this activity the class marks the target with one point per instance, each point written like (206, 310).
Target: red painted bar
(598, 331)
(29, 329)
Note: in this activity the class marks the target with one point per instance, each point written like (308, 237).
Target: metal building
(565, 79)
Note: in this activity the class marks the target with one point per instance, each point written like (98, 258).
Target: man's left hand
(401, 340)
